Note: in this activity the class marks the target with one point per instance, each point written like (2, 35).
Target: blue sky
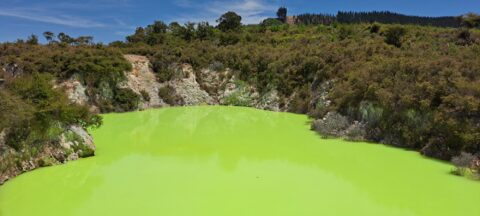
(109, 20)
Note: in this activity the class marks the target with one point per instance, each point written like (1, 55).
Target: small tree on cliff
(229, 21)
(282, 14)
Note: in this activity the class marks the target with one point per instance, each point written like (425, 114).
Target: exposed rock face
(225, 89)
(207, 87)
(187, 87)
(269, 101)
(337, 125)
(11, 71)
(215, 83)
(77, 93)
(239, 93)
(142, 79)
(78, 141)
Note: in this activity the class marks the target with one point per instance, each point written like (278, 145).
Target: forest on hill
(385, 17)
(411, 86)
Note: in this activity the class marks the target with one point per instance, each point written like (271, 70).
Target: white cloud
(44, 16)
(252, 11)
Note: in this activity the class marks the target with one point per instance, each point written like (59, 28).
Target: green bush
(464, 37)
(229, 38)
(125, 100)
(375, 28)
(145, 95)
(169, 96)
(271, 22)
(301, 101)
(344, 32)
(394, 35)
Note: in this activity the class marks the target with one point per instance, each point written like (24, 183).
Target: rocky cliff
(189, 87)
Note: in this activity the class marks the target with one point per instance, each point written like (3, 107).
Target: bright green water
(226, 161)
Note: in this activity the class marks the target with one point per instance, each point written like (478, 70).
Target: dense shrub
(229, 39)
(301, 101)
(229, 21)
(344, 32)
(394, 35)
(145, 95)
(99, 68)
(464, 37)
(169, 96)
(271, 22)
(125, 100)
(375, 28)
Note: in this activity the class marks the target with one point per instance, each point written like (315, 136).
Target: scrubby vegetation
(35, 110)
(98, 67)
(412, 86)
(34, 114)
(32, 111)
(467, 165)
(420, 83)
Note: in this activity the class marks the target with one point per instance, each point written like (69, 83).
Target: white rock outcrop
(142, 78)
(187, 87)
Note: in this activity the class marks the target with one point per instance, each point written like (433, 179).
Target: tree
(158, 27)
(188, 31)
(64, 38)
(49, 36)
(471, 20)
(174, 28)
(204, 31)
(138, 36)
(84, 40)
(155, 33)
(282, 14)
(229, 21)
(32, 40)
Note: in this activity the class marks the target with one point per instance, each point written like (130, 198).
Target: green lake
(228, 161)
